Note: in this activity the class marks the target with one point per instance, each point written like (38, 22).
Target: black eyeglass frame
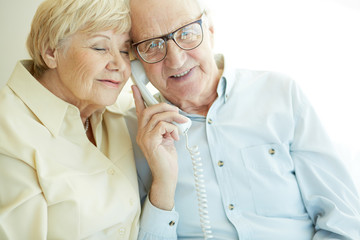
(170, 36)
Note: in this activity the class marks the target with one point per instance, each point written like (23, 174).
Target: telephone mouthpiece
(183, 127)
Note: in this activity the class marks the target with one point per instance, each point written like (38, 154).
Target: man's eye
(124, 52)
(187, 34)
(153, 45)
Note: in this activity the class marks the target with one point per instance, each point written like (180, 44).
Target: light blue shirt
(270, 170)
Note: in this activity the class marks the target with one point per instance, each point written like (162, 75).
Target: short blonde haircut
(56, 20)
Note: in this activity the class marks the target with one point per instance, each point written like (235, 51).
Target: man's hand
(156, 135)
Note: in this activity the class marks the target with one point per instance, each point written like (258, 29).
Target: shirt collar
(227, 78)
(46, 106)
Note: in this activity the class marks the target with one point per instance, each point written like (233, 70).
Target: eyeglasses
(187, 37)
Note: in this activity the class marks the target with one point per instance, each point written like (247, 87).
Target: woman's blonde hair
(56, 20)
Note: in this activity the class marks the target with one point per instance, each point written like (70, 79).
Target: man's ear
(209, 25)
(211, 35)
(50, 57)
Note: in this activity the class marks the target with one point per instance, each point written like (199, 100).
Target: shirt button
(210, 121)
(231, 207)
(220, 163)
(111, 171)
(271, 151)
(171, 223)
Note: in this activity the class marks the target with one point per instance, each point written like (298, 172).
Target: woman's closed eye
(99, 49)
(124, 52)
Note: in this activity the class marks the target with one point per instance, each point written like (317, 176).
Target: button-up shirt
(54, 183)
(270, 170)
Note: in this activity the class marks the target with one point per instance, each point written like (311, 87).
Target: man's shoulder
(268, 74)
(268, 79)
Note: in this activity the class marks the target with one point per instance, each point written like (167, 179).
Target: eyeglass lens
(187, 38)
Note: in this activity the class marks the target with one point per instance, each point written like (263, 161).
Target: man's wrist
(162, 195)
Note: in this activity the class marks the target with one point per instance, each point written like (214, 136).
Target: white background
(317, 42)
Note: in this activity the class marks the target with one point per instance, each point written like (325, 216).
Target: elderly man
(269, 169)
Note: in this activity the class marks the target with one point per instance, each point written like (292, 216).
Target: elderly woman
(66, 161)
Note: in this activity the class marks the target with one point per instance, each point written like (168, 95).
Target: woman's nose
(117, 62)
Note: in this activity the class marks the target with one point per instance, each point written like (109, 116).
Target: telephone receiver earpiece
(140, 79)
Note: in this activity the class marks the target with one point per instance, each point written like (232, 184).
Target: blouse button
(220, 163)
(231, 207)
(171, 223)
(121, 231)
(210, 121)
(111, 171)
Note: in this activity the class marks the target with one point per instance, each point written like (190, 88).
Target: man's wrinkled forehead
(152, 18)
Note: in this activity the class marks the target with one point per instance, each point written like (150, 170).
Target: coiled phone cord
(200, 189)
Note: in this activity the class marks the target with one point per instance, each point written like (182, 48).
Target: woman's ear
(50, 57)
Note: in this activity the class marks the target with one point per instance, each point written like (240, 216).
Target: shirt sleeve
(156, 223)
(328, 191)
(23, 209)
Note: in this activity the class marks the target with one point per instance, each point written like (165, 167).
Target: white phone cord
(200, 189)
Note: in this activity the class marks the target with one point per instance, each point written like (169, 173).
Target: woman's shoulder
(15, 121)
(11, 106)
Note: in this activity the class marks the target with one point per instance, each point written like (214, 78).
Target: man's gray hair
(202, 5)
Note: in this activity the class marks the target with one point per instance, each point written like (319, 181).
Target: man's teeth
(182, 74)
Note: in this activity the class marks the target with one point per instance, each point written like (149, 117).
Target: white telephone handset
(140, 78)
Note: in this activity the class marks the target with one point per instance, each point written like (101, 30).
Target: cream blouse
(55, 184)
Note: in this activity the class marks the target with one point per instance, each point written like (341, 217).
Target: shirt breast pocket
(272, 179)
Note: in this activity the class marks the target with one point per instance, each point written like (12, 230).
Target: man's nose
(175, 56)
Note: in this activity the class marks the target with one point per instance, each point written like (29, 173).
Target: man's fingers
(167, 130)
(167, 117)
(139, 101)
